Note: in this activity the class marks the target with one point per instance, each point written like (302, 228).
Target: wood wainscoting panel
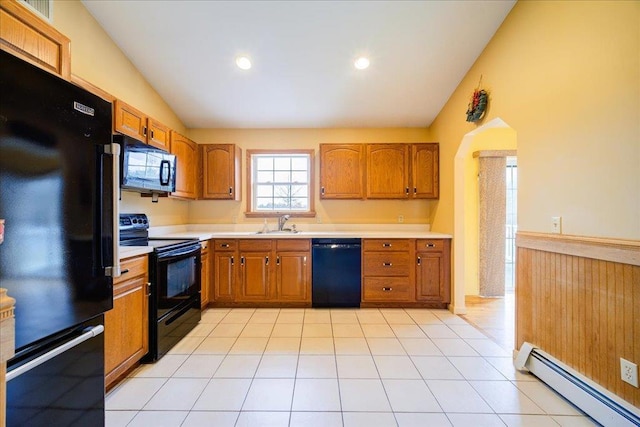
(582, 310)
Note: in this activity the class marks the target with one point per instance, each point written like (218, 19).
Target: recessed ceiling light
(243, 62)
(361, 63)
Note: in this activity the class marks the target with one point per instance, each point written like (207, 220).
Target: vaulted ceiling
(302, 55)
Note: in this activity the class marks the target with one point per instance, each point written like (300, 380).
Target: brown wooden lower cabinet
(225, 261)
(205, 275)
(277, 273)
(406, 273)
(262, 272)
(126, 335)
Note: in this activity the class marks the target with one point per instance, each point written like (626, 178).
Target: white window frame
(252, 210)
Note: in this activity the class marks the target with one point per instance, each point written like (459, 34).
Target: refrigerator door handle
(88, 333)
(114, 150)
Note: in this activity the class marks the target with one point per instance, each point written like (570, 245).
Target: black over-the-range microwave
(145, 168)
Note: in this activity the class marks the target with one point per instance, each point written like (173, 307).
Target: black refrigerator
(58, 199)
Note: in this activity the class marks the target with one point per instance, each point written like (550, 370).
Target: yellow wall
(329, 211)
(566, 77)
(95, 58)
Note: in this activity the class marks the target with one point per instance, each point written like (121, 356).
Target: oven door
(177, 278)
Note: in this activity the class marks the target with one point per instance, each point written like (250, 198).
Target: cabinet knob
(322, 191)
(419, 261)
(386, 245)
(430, 245)
(387, 264)
(387, 289)
(224, 245)
(266, 260)
(231, 191)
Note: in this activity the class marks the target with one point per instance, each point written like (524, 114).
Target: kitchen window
(280, 182)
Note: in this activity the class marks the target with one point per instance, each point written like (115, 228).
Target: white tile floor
(313, 367)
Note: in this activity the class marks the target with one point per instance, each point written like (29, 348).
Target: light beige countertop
(307, 231)
(131, 251)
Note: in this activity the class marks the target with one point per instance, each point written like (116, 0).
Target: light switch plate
(556, 224)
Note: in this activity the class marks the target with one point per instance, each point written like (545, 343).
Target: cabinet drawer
(132, 267)
(386, 264)
(386, 245)
(254, 245)
(387, 289)
(435, 245)
(225, 245)
(293, 245)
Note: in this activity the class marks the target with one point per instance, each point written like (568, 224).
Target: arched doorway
(494, 135)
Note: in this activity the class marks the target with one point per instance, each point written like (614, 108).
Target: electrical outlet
(556, 224)
(629, 372)
(400, 218)
(318, 219)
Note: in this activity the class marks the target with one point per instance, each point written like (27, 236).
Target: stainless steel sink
(288, 231)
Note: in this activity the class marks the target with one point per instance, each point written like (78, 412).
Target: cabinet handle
(224, 245)
(419, 261)
(233, 261)
(242, 260)
(148, 289)
(406, 191)
(278, 260)
(266, 260)
(125, 271)
(415, 190)
(144, 130)
(386, 245)
(151, 133)
(387, 264)
(387, 289)
(322, 191)
(430, 245)
(231, 191)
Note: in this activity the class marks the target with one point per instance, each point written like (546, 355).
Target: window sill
(292, 214)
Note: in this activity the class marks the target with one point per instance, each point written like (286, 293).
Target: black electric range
(174, 273)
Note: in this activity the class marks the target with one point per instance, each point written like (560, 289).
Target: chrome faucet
(281, 221)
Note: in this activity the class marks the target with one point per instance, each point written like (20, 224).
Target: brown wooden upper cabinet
(425, 175)
(28, 37)
(342, 171)
(221, 171)
(131, 121)
(379, 171)
(387, 171)
(187, 166)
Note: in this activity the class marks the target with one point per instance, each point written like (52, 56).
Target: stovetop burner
(134, 231)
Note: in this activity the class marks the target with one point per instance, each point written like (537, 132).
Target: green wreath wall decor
(478, 104)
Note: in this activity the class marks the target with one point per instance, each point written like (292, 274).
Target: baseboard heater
(597, 402)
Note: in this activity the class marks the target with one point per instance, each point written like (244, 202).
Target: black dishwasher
(336, 268)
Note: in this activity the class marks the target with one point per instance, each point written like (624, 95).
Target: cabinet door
(158, 134)
(224, 267)
(425, 171)
(255, 277)
(430, 277)
(205, 277)
(29, 37)
(221, 171)
(293, 276)
(126, 336)
(342, 171)
(387, 171)
(186, 152)
(129, 121)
